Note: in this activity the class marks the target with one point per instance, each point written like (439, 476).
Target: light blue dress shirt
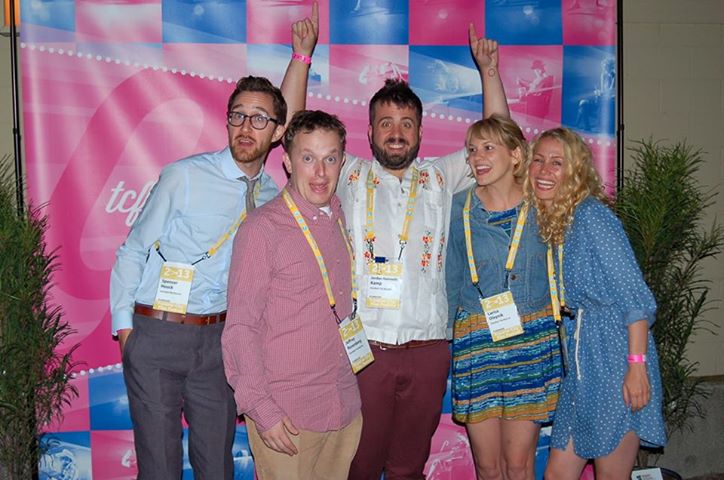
(193, 203)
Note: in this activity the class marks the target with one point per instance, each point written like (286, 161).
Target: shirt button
(514, 277)
(314, 217)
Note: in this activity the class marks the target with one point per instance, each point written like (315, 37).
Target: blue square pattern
(58, 14)
(446, 76)
(66, 456)
(205, 21)
(108, 402)
(369, 22)
(589, 89)
(524, 22)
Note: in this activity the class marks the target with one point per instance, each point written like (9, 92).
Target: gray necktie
(250, 184)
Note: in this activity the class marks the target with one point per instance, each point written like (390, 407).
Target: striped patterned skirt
(515, 379)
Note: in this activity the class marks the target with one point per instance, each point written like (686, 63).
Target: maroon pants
(402, 394)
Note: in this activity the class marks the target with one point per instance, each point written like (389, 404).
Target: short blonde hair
(503, 131)
(581, 180)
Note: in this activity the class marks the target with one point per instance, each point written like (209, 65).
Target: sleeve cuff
(633, 316)
(120, 321)
(266, 415)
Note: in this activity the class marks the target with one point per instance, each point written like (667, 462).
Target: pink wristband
(638, 358)
(302, 58)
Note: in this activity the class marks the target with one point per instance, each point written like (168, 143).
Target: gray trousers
(170, 368)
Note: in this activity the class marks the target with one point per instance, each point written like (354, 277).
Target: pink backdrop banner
(113, 91)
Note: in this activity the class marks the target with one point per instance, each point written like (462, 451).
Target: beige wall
(674, 89)
(6, 104)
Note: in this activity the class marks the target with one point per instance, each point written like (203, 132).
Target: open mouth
(396, 144)
(544, 185)
(481, 170)
(318, 188)
(245, 141)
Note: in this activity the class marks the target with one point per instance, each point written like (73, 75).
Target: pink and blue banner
(114, 90)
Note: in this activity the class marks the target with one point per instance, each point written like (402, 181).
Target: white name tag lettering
(174, 287)
(502, 316)
(384, 285)
(355, 343)
(647, 474)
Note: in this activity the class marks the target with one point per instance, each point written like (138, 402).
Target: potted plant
(34, 376)
(662, 207)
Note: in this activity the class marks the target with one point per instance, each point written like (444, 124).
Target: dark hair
(399, 93)
(307, 121)
(261, 84)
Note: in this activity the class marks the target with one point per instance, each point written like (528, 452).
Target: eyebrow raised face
(255, 108)
(392, 119)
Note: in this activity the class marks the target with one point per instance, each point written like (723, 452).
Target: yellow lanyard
(224, 237)
(348, 244)
(409, 212)
(514, 241)
(317, 253)
(557, 302)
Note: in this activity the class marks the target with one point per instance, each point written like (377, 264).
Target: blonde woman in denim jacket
(506, 374)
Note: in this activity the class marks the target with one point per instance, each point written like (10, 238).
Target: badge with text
(502, 316)
(355, 343)
(174, 287)
(384, 285)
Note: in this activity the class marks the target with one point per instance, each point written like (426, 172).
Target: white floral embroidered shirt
(423, 310)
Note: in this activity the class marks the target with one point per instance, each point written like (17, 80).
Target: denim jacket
(528, 279)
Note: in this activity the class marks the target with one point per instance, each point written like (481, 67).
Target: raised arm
(485, 53)
(304, 38)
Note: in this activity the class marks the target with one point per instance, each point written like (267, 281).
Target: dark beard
(395, 162)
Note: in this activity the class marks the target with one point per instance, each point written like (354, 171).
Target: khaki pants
(322, 456)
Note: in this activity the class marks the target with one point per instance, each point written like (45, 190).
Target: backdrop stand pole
(17, 137)
(620, 128)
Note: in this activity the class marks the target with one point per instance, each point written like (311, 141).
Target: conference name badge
(355, 343)
(384, 285)
(502, 316)
(174, 287)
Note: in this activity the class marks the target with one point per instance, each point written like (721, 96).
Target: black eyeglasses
(258, 121)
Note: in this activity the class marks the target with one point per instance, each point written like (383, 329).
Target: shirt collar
(477, 206)
(308, 210)
(381, 172)
(231, 170)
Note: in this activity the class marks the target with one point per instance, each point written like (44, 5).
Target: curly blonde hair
(580, 180)
(503, 131)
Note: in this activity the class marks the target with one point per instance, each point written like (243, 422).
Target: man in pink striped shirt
(283, 354)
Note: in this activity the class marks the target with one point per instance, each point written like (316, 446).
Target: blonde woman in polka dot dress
(611, 398)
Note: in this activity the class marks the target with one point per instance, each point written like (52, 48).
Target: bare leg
(519, 439)
(485, 443)
(564, 464)
(618, 464)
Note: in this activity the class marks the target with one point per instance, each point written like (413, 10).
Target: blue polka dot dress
(604, 286)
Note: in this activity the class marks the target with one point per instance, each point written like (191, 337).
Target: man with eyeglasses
(169, 282)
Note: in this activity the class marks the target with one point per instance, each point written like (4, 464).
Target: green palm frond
(35, 361)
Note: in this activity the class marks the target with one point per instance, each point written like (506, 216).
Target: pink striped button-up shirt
(283, 355)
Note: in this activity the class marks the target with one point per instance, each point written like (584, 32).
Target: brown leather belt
(406, 345)
(186, 319)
